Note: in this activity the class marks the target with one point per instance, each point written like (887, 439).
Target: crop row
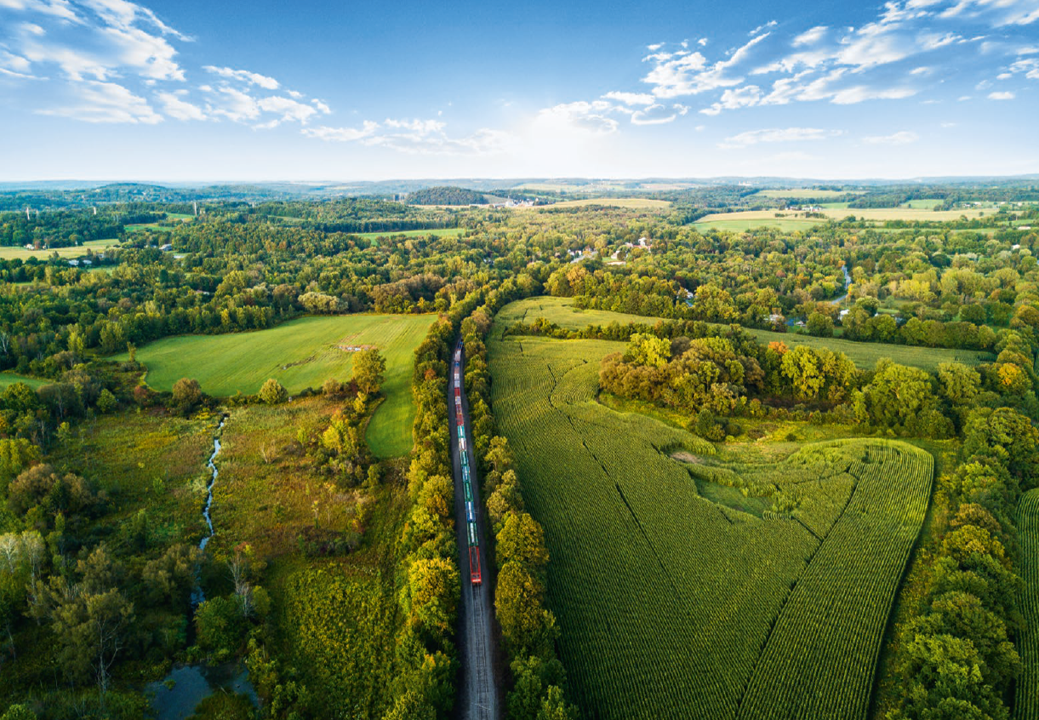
(666, 600)
(1026, 696)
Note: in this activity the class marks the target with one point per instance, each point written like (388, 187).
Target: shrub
(273, 392)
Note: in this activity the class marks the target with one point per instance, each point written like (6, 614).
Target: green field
(8, 378)
(923, 204)
(1027, 694)
(699, 589)
(442, 232)
(791, 220)
(865, 355)
(300, 354)
(20, 253)
(744, 224)
(633, 203)
(807, 193)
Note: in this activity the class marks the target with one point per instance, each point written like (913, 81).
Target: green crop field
(767, 601)
(633, 203)
(744, 224)
(1027, 693)
(20, 253)
(300, 354)
(442, 232)
(7, 379)
(807, 193)
(865, 355)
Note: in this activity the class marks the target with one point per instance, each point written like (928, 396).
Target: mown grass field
(442, 232)
(865, 355)
(8, 378)
(299, 354)
(20, 253)
(807, 193)
(704, 589)
(632, 203)
(748, 219)
(742, 224)
(1026, 696)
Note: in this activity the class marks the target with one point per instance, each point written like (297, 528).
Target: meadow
(865, 355)
(807, 193)
(20, 253)
(300, 354)
(9, 378)
(334, 616)
(789, 220)
(697, 588)
(630, 203)
(441, 232)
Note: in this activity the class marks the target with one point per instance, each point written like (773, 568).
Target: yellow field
(633, 203)
(871, 214)
(20, 253)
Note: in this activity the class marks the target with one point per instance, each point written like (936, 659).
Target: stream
(847, 284)
(176, 696)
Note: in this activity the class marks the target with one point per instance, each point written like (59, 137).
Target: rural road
(477, 697)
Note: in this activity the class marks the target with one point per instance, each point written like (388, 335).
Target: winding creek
(177, 695)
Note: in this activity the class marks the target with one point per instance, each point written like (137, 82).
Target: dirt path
(477, 697)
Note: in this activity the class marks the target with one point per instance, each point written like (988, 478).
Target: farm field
(20, 253)
(769, 600)
(1027, 693)
(807, 193)
(741, 224)
(632, 203)
(181, 217)
(299, 354)
(757, 218)
(865, 355)
(443, 232)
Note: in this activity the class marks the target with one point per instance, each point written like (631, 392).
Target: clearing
(75, 251)
(631, 203)
(300, 354)
(9, 378)
(441, 232)
(769, 600)
(864, 354)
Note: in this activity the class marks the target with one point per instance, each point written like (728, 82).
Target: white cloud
(774, 135)
(105, 102)
(657, 114)
(761, 28)
(746, 96)
(630, 98)
(1001, 96)
(176, 107)
(904, 137)
(688, 73)
(585, 117)
(342, 134)
(1029, 67)
(861, 93)
(810, 37)
(417, 137)
(251, 78)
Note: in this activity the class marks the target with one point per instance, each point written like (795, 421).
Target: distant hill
(446, 195)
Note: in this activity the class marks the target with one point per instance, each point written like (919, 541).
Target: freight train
(472, 535)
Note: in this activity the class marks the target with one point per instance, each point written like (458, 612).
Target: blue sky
(192, 90)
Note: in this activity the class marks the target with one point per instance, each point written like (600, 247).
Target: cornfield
(674, 606)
